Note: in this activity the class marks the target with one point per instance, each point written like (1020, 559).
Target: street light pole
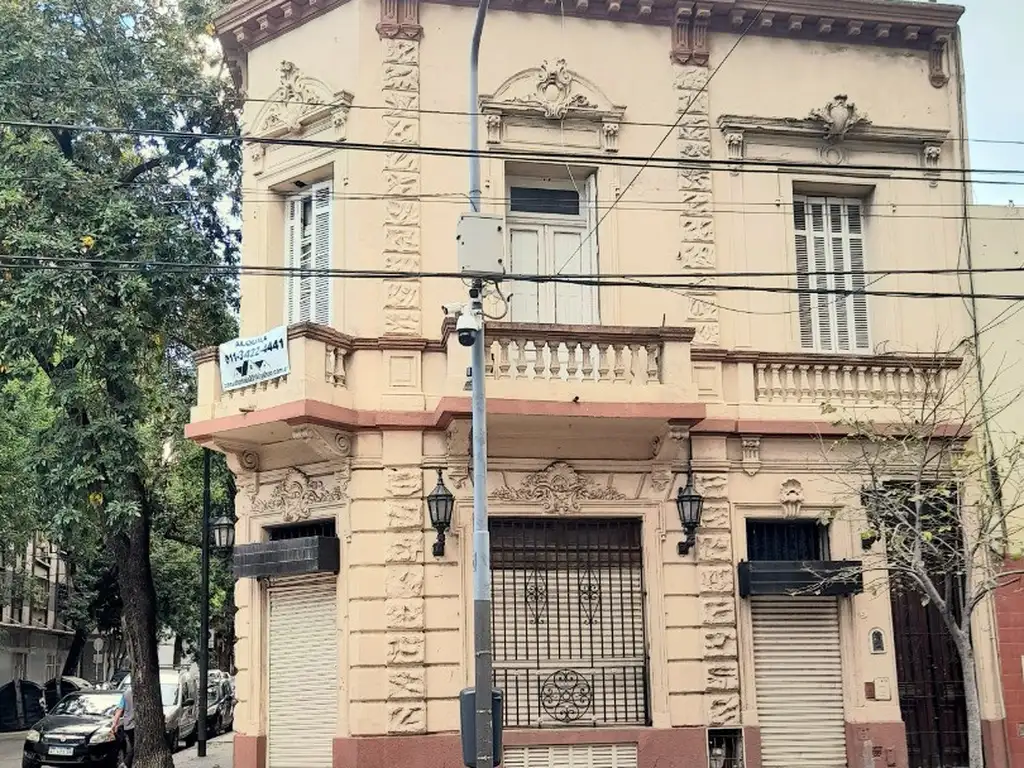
(481, 536)
(204, 610)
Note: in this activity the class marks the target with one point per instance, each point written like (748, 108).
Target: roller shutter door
(303, 675)
(799, 677)
(571, 756)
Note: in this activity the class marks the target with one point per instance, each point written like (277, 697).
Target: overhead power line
(382, 273)
(691, 283)
(375, 107)
(743, 165)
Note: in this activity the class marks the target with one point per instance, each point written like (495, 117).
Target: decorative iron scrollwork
(590, 595)
(536, 598)
(566, 696)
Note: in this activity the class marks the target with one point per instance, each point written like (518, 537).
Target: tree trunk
(135, 580)
(972, 701)
(74, 657)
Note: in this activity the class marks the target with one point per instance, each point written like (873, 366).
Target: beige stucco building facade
(794, 140)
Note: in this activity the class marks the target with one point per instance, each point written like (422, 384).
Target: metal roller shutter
(799, 677)
(571, 756)
(303, 675)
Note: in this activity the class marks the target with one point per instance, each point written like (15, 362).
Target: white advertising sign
(244, 362)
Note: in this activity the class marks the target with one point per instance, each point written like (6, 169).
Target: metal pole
(481, 536)
(204, 609)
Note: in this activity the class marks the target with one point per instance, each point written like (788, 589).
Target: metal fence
(568, 621)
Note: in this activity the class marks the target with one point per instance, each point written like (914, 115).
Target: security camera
(468, 328)
(452, 308)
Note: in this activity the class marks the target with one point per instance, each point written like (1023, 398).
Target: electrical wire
(600, 281)
(376, 107)
(744, 165)
(337, 272)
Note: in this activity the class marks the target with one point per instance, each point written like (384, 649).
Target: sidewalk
(218, 754)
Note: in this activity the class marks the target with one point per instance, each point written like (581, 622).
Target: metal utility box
(467, 717)
(481, 243)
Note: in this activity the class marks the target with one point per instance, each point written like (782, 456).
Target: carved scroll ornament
(559, 489)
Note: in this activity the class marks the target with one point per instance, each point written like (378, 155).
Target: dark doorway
(931, 685)
(930, 677)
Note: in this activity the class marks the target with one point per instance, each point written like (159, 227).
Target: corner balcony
(534, 372)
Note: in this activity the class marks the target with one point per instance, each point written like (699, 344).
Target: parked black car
(220, 712)
(77, 731)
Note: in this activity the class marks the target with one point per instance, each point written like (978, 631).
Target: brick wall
(1010, 622)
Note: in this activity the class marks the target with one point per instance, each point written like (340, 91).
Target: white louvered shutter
(524, 256)
(830, 259)
(855, 227)
(292, 248)
(571, 756)
(799, 679)
(302, 675)
(803, 274)
(323, 242)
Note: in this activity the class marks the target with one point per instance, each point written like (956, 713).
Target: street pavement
(218, 753)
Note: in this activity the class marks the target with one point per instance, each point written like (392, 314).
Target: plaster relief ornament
(298, 102)
(293, 497)
(554, 93)
(559, 489)
(791, 494)
(839, 117)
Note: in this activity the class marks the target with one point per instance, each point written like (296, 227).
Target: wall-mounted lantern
(440, 502)
(689, 504)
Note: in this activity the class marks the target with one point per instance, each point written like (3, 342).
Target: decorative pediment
(552, 91)
(301, 104)
(558, 489)
(293, 498)
(833, 128)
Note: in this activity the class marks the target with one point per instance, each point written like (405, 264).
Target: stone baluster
(778, 390)
(620, 366)
(521, 364)
(503, 362)
(555, 363)
(488, 358)
(336, 365)
(849, 384)
(634, 363)
(602, 361)
(761, 390)
(588, 364)
(572, 367)
(539, 345)
(653, 363)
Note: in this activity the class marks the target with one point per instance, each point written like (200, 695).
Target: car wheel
(218, 726)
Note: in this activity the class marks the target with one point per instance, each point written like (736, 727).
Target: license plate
(61, 751)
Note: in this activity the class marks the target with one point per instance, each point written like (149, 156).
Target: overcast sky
(994, 55)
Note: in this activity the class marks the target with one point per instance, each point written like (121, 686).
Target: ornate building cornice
(893, 23)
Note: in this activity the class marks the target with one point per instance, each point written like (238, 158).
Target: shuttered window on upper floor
(833, 308)
(308, 246)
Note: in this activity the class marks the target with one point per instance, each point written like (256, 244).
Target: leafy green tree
(92, 226)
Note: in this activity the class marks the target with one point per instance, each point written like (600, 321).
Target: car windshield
(169, 694)
(88, 704)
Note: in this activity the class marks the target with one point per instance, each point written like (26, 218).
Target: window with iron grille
(326, 527)
(568, 621)
(786, 540)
